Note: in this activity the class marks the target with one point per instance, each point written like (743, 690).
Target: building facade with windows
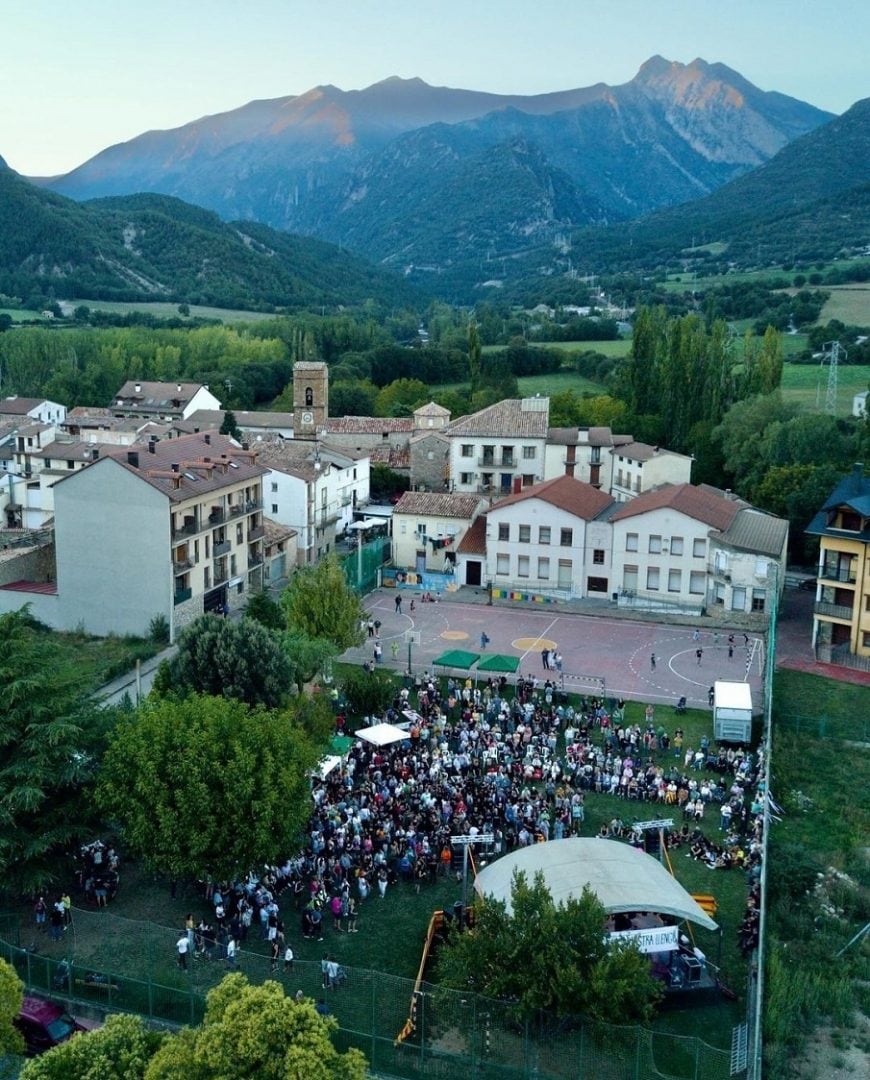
(551, 537)
(841, 612)
(499, 449)
(428, 528)
(638, 467)
(162, 400)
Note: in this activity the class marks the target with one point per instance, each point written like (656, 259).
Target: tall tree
(548, 957)
(48, 750)
(256, 1031)
(309, 657)
(319, 603)
(230, 426)
(474, 357)
(206, 786)
(237, 659)
(11, 996)
(121, 1049)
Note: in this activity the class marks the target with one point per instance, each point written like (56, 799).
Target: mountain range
(156, 247)
(445, 180)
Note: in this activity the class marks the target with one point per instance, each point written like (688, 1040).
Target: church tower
(310, 398)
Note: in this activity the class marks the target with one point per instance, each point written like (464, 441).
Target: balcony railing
(255, 560)
(182, 594)
(217, 517)
(220, 576)
(253, 504)
(256, 533)
(180, 566)
(220, 548)
(834, 611)
(838, 573)
(236, 509)
(190, 528)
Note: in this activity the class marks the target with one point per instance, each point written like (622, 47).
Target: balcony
(220, 548)
(832, 572)
(255, 559)
(217, 517)
(346, 500)
(236, 509)
(257, 532)
(182, 594)
(487, 462)
(719, 571)
(189, 528)
(181, 566)
(253, 504)
(833, 611)
(220, 576)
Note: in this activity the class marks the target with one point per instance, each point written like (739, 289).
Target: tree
(319, 603)
(49, 741)
(264, 610)
(474, 357)
(401, 397)
(352, 398)
(230, 427)
(206, 786)
(121, 1049)
(256, 1031)
(308, 657)
(242, 660)
(11, 996)
(368, 693)
(740, 432)
(548, 957)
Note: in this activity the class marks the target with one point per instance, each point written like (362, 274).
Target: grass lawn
(20, 314)
(98, 660)
(554, 383)
(165, 310)
(822, 785)
(619, 347)
(806, 385)
(848, 303)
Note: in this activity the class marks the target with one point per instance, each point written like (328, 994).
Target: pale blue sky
(79, 75)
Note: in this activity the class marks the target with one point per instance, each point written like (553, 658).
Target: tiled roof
(564, 492)
(752, 530)
(437, 504)
(369, 425)
(640, 451)
(695, 502)
(19, 406)
(511, 418)
(474, 541)
(432, 409)
(395, 456)
(274, 532)
(154, 395)
(70, 451)
(562, 436)
(88, 412)
(299, 457)
(203, 464)
(852, 491)
(250, 420)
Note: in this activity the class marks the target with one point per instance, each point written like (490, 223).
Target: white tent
(622, 877)
(382, 734)
(327, 765)
(367, 523)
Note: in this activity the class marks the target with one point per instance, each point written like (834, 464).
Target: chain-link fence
(125, 966)
(361, 566)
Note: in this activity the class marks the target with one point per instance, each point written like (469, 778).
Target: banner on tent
(653, 939)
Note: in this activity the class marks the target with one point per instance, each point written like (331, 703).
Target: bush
(158, 630)
(368, 693)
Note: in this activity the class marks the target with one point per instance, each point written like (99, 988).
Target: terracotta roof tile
(474, 541)
(438, 504)
(695, 502)
(565, 492)
(370, 425)
(511, 418)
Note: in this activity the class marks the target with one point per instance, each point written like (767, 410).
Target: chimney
(138, 388)
(207, 439)
(175, 466)
(246, 446)
(133, 458)
(152, 446)
(95, 453)
(178, 387)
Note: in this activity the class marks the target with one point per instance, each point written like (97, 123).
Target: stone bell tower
(310, 398)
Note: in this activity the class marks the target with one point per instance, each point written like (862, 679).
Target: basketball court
(617, 650)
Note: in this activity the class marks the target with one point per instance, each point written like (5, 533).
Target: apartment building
(500, 448)
(162, 400)
(428, 527)
(841, 613)
(636, 467)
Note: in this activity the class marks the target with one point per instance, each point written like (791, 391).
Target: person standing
(181, 947)
(698, 654)
(379, 652)
(351, 915)
(730, 652)
(398, 605)
(39, 910)
(545, 659)
(711, 696)
(652, 662)
(232, 949)
(288, 959)
(484, 639)
(382, 882)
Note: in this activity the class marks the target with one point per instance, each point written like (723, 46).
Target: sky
(77, 76)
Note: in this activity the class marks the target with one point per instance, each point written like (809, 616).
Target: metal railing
(835, 611)
(221, 547)
(831, 572)
(182, 594)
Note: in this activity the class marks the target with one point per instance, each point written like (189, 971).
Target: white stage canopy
(382, 734)
(622, 877)
(367, 523)
(327, 765)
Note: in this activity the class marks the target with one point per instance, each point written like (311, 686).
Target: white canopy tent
(367, 523)
(382, 734)
(328, 765)
(622, 877)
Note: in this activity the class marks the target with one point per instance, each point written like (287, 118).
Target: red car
(45, 1024)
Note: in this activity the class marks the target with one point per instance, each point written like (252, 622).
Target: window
(676, 545)
(70, 464)
(240, 535)
(652, 578)
(866, 639)
(631, 542)
(699, 549)
(525, 534)
(529, 453)
(528, 479)
(655, 545)
(274, 509)
(544, 569)
(544, 534)
(207, 548)
(738, 599)
(566, 537)
(502, 564)
(598, 557)
(504, 532)
(421, 529)
(595, 455)
(629, 578)
(523, 566)
(486, 479)
(466, 450)
(206, 578)
(697, 582)
(274, 485)
(465, 478)
(675, 580)
(759, 596)
(596, 584)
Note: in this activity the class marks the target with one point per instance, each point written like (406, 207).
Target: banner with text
(651, 940)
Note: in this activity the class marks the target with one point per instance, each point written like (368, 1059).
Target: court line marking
(540, 636)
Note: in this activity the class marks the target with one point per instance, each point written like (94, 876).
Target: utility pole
(831, 352)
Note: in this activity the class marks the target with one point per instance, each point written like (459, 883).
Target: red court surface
(617, 650)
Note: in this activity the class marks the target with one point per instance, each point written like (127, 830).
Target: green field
(848, 303)
(166, 310)
(619, 347)
(805, 385)
(22, 314)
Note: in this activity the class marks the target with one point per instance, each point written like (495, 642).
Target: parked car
(45, 1024)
